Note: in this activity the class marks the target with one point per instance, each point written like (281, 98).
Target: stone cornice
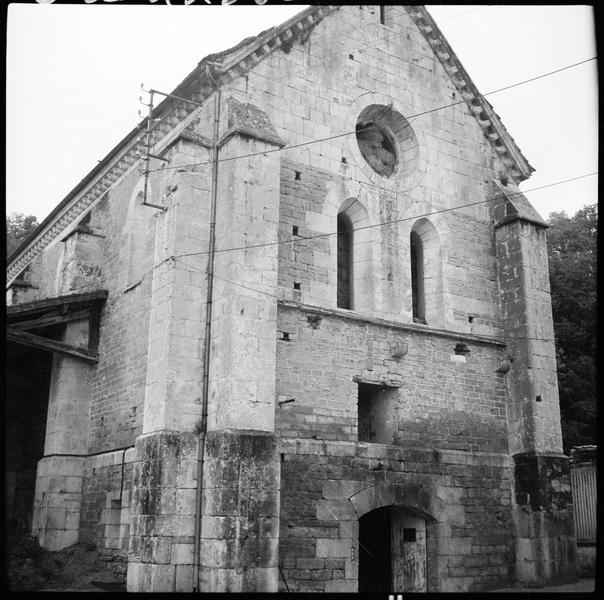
(514, 163)
(228, 66)
(197, 86)
(349, 315)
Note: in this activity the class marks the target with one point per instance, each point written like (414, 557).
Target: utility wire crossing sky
(58, 57)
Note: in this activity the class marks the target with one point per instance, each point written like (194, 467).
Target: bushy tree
(18, 227)
(572, 250)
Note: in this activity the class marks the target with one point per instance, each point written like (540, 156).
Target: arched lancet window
(353, 268)
(345, 275)
(426, 274)
(138, 239)
(417, 279)
(136, 248)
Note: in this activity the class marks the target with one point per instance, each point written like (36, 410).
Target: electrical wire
(289, 75)
(339, 135)
(164, 168)
(129, 85)
(67, 110)
(298, 238)
(301, 144)
(281, 298)
(63, 132)
(322, 58)
(74, 93)
(465, 14)
(349, 133)
(393, 221)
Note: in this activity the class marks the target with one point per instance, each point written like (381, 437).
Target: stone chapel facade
(313, 349)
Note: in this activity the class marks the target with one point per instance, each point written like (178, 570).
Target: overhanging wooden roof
(38, 315)
(67, 301)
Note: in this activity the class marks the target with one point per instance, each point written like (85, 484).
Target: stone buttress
(161, 546)
(60, 472)
(545, 544)
(240, 501)
(240, 512)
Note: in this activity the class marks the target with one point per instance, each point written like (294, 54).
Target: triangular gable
(489, 121)
(225, 67)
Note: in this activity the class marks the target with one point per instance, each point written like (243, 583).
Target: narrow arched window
(417, 279)
(137, 225)
(426, 274)
(344, 262)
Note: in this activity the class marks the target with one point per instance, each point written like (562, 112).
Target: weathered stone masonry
(469, 422)
(392, 396)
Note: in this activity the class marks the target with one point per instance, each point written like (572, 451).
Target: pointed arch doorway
(392, 551)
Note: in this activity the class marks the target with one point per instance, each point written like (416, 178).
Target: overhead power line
(392, 221)
(301, 144)
(275, 297)
(335, 136)
(73, 93)
(465, 14)
(513, 85)
(289, 75)
(415, 217)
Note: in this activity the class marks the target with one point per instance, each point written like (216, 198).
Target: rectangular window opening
(383, 15)
(296, 285)
(409, 534)
(376, 413)
(297, 175)
(295, 230)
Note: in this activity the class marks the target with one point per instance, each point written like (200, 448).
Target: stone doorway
(27, 388)
(392, 551)
(375, 558)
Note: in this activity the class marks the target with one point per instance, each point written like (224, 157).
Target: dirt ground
(77, 568)
(581, 586)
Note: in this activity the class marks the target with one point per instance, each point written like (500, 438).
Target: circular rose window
(386, 140)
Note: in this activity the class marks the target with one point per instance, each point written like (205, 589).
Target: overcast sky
(73, 77)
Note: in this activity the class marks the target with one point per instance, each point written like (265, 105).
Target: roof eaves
(77, 300)
(231, 57)
(494, 130)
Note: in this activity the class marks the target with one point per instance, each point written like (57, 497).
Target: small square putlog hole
(409, 534)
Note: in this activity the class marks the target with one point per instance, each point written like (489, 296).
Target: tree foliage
(18, 227)
(572, 252)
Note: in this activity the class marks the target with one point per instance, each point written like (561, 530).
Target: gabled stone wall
(456, 394)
